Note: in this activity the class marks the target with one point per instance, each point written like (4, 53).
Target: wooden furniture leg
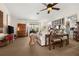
(49, 44)
(67, 41)
(45, 40)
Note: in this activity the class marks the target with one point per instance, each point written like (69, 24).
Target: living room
(24, 18)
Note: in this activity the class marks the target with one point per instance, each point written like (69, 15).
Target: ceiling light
(49, 9)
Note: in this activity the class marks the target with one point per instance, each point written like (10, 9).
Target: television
(10, 29)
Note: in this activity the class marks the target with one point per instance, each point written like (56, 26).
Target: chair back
(52, 35)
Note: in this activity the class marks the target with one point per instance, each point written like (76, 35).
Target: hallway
(20, 47)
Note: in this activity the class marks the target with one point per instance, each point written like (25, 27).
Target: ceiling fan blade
(56, 8)
(54, 4)
(44, 4)
(43, 9)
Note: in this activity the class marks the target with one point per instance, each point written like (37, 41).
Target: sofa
(5, 39)
(41, 38)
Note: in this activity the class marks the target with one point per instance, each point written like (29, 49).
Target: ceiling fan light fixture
(49, 9)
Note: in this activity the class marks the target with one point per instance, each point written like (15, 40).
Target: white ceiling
(29, 10)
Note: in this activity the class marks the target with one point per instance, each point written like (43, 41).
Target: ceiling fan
(50, 7)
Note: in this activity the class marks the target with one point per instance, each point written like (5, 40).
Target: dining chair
(54, 40)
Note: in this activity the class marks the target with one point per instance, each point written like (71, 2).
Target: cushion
(9, 37)
(56, 40)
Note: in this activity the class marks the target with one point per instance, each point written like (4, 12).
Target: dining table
(48, 40)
